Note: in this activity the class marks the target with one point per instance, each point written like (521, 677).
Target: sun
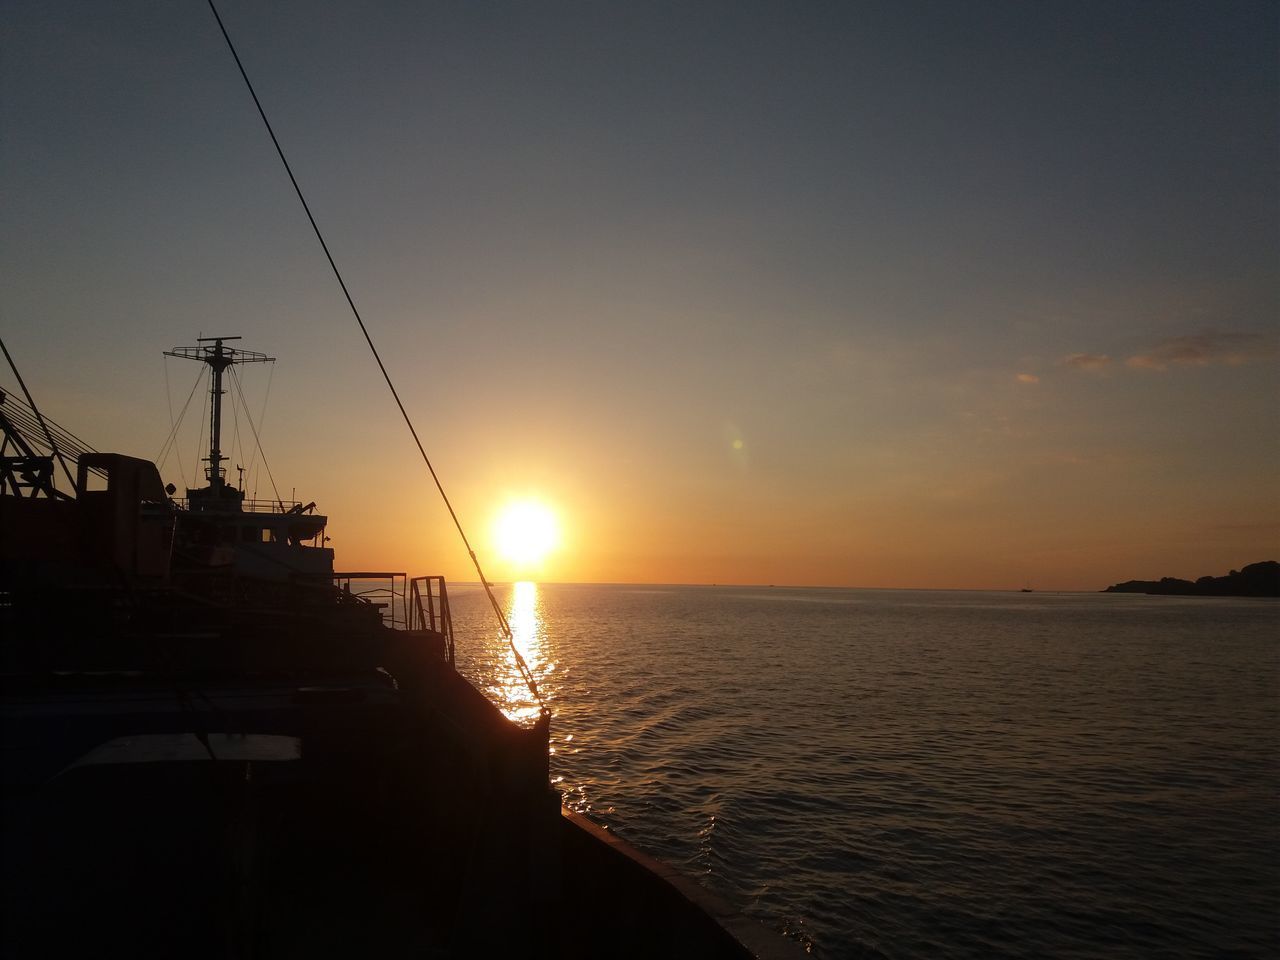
(525, 532)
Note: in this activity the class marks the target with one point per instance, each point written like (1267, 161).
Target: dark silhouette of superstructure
(214, 746)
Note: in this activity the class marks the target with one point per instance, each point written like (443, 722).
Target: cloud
(1202, 349)
(1028, 378)
(1086, 361)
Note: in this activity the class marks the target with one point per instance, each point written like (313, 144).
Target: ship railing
(429, 609)
(275, 506)
(385, 590)
(255, 506)
(417, 603)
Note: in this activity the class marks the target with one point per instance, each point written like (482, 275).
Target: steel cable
(493, 601)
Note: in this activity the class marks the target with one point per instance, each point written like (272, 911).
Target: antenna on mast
(219, 357)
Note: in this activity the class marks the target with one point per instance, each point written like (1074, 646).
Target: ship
(216, 745)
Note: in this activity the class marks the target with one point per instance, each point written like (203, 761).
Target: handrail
(392, 589)
(417, 603)
(436, 616)
(277, 508)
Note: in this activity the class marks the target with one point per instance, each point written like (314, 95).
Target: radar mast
(219, 357)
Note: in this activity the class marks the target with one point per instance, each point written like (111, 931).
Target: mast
(219, 358)
(218, 362)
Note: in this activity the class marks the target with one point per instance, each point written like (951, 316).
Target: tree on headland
(1255, 580)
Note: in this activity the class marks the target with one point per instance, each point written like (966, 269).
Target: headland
(1255, 580)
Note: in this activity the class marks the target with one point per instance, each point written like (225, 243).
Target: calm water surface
(915, 774)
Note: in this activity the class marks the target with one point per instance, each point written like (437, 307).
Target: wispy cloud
(1028, 378)
(1202, 349)
(1086, 361)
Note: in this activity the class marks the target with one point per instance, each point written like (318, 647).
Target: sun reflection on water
(524, 615)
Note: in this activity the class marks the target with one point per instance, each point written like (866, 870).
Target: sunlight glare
(525, 532)
(525, 619)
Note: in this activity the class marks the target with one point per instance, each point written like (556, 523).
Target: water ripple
(898, 774)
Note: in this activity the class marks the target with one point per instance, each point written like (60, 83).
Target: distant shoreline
(1255, 580)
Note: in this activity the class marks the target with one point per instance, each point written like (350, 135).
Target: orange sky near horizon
(904, 296)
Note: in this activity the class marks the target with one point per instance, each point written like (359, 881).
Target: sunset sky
(867, 294)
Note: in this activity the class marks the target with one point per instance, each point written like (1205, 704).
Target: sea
(921, 774)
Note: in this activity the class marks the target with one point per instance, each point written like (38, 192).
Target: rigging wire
(173, 425)
(262, 416)
(235, 434)
(168, 391)
(235, 380)
(195, 473)
(24, 419)
(31, 403)
(170, 443)
(493, 601)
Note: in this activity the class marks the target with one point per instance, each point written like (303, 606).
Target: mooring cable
(493, 601)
